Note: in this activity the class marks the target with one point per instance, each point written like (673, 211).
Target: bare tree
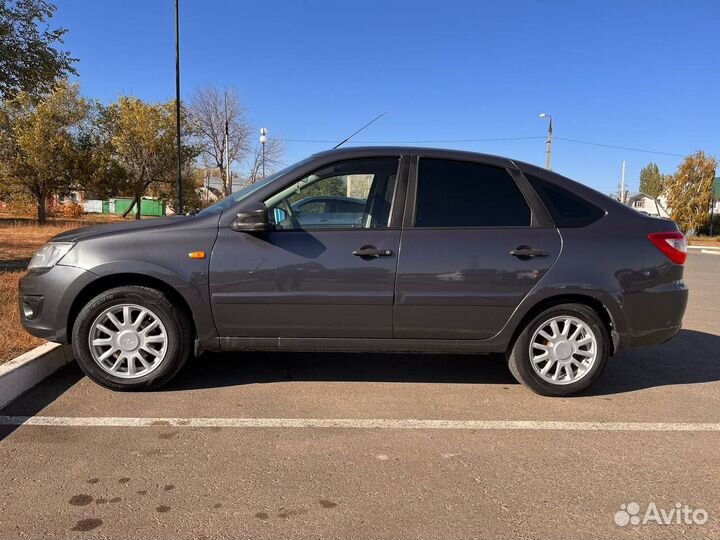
(273, 160)
(208, 113)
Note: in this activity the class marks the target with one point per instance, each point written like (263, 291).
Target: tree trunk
(42, 208)
(138, 205)
(129, 209)
(224, 180)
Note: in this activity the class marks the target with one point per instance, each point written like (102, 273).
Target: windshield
(246, 191)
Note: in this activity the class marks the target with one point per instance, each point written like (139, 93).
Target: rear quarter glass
(567, 209)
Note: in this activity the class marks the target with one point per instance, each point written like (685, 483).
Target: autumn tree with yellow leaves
(689, 191)
(39, 144)
(141, 136)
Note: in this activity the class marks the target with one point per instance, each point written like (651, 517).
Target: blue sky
(642, 74)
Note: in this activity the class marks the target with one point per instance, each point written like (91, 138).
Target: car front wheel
(131, 338)
(561, 351)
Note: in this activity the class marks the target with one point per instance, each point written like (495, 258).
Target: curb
(27, 370)
(710, 251)
(714, 248)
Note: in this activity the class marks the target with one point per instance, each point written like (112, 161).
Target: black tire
(519, 358)
(174, 319)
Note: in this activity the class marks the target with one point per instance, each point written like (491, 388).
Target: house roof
(640, 195)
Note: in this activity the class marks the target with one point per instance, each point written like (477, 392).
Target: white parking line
(352, 423)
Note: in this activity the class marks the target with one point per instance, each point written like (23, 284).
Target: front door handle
(371, 252)
(526, 252)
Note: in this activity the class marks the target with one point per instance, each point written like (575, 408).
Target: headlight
(49, 255)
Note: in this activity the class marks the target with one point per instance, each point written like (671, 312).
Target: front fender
(192, 287)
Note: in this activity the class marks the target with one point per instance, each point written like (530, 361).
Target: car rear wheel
(131, 338)
(561, 351)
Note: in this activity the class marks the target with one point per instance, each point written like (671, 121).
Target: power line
(617, 147)
(496, 139)
(414, 142)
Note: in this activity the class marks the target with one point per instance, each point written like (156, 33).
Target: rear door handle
(371, 252)
(526, 252)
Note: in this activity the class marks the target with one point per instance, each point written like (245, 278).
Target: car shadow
(690, 358)
(230, 369)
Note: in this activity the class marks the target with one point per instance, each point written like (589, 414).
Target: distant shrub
(21, 207)
(705, 229)
(70, 210)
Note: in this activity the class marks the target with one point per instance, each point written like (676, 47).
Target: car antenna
(378, 117)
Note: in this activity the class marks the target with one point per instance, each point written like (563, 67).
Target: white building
(643, 202)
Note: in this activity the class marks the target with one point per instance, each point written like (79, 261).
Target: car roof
(365, 151)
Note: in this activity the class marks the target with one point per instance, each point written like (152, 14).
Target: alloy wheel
(128, 341)
(563, 350)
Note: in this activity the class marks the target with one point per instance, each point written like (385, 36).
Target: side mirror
(254, 220)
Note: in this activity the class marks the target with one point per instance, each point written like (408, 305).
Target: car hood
(114, 228)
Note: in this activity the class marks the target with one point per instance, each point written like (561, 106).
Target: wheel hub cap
(128, 341)
(563, 350)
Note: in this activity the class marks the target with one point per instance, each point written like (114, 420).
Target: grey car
(455, 252)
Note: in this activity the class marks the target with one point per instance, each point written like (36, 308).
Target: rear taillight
(672, 244)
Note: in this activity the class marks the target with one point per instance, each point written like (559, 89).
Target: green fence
(148, 207)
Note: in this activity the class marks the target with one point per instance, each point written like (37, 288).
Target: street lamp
(548, 143)
(263, 140)
(179, 187)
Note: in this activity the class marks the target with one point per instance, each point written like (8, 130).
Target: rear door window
(453, 193)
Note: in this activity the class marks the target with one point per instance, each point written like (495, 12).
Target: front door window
(353, 194)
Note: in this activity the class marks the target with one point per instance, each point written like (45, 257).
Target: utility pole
(548, 143)
(263, 140)
(228, 176)
(207, 184)
(712, 209)
(622, 184)
(177, 109)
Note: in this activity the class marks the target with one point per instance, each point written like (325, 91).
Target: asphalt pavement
(378, 446)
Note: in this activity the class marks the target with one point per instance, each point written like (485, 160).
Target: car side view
(421, 250)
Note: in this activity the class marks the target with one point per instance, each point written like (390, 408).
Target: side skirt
(446, 346)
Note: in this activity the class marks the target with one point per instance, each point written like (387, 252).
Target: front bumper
(46, 299)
